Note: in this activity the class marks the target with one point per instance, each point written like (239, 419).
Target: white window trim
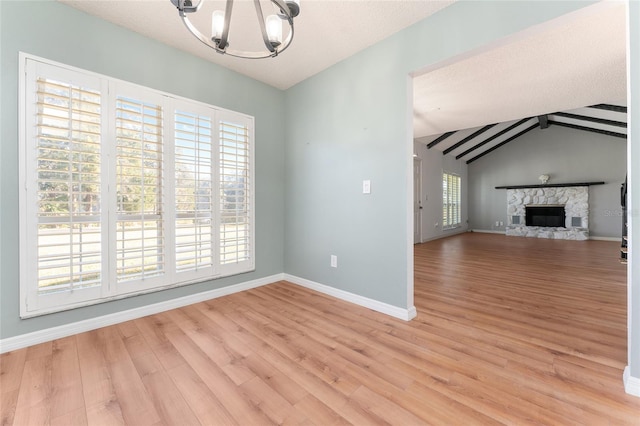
(33, 304)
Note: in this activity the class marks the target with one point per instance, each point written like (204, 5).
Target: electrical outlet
(501, 223)
(334, 261)
(497, 223)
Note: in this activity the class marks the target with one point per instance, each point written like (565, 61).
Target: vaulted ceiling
(558, 71)
(326, 31)
(476, 142)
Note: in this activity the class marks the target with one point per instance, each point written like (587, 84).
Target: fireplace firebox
(546, 216)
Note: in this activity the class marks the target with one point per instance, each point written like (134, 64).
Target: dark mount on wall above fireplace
(550, 185)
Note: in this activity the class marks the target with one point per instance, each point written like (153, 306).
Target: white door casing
(417, 200)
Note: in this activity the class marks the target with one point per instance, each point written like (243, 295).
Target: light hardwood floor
(509, 331)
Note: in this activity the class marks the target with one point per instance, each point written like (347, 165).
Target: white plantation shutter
(140, 242)
(69, 252)
(451, 208)
(125, 190)
(194, 191)
(236, 191)
(445, 200)
(456, 201)
(62, 222)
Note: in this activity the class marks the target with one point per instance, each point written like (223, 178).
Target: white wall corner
(412, 313)
(46, 335)
(631, 384)
(385, 308)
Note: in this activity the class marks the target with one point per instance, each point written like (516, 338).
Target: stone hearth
(576, 204)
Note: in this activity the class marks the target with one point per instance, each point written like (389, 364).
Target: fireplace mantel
(550, 185)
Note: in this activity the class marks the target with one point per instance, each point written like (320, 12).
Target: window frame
(33, 303)
(451, 210)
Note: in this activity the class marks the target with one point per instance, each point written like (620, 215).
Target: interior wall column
(632, 372)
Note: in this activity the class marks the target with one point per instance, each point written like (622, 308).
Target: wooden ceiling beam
(506, 141)
(468, 138)
(608, 107)
(497, 135)
(590, 129)
(439, 139)
(591, 119)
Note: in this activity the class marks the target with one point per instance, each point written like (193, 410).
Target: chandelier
(271, 27)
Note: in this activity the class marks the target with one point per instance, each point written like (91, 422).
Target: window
(451, 216)
(125, 189)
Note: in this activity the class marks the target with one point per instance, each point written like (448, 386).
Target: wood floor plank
(509, 331)
(77, 417)
(319, 412)
(385, 409)
(67, 398)
(272, 404)
(34, 399)
(154, 328)
(218, 382)
(136, 403)
(168, 400)
(101, 401)
(202, 401)
(11, 370)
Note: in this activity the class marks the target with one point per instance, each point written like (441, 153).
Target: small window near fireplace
(515, 220)
(576, 222)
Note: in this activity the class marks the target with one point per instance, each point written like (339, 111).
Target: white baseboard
(617, 239)
(58, 332)
(394, 311)
(488, 231)
(41, 336)
(631, 384)
(445, 234)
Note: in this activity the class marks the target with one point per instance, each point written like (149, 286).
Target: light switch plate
(366, 186)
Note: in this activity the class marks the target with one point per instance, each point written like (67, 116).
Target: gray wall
(58, 32)
(566, 155)
(433, 165)
(353, 122)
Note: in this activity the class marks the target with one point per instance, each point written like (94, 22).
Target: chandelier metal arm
(263, 28)
(222, 45)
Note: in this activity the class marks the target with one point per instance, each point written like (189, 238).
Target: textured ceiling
(326, 31)
(576, 60)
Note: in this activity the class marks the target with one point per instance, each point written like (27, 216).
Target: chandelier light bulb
(217, 25)
(274, 30)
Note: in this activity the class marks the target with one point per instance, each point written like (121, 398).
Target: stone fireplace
(545, 205)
